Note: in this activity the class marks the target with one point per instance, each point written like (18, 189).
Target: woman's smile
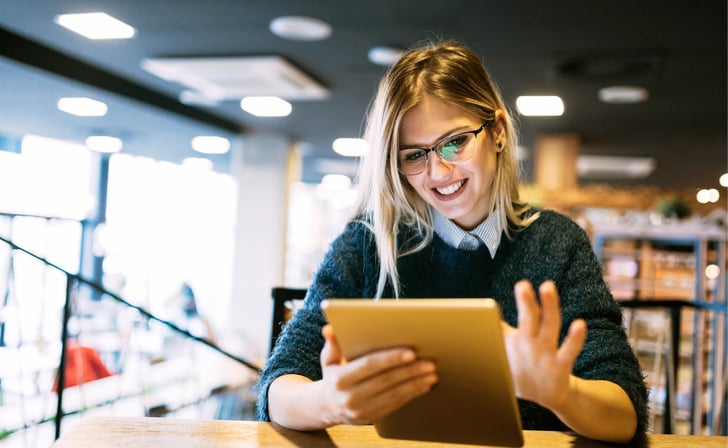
(451, 191)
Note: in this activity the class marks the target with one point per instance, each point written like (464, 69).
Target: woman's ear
(500, 137)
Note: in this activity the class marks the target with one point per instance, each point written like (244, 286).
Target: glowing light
(210, 144)
(540, 106)
(351, 147)
(83, 107)
(266, 106)
(712, 271)
(96, 25)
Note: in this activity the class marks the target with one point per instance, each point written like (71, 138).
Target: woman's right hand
(365, 389)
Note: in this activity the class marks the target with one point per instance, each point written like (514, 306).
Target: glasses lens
(412, 161)
(456, 148)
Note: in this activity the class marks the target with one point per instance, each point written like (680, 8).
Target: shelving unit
(676, 317)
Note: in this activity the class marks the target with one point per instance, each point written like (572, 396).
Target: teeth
(450, 189)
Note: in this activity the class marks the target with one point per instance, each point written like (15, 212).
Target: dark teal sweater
(552, 248)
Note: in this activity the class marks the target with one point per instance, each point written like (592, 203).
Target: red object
(83, 365)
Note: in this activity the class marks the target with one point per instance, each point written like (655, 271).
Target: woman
(439, 216)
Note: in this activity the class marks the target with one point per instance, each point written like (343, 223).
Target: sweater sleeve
(607, 354)
(298, 348)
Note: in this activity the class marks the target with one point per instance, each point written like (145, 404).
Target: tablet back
(474, 402)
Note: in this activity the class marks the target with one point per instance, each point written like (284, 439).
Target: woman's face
(459, 191)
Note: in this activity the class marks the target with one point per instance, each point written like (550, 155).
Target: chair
(282, 302)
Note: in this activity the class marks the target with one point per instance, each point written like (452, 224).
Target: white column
(260, 164)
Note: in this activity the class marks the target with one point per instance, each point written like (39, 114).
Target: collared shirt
(488, 232)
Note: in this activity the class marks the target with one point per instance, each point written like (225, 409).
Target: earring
(499, 145)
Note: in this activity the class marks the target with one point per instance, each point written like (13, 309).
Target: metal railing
(73, 281)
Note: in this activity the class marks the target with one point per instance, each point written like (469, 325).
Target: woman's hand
(367, 388)
(541, 369)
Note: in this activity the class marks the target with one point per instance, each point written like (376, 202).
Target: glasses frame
(427, 151)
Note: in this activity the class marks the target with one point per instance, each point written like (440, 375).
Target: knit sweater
(552, 248)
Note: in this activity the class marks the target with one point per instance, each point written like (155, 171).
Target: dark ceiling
(571, 48)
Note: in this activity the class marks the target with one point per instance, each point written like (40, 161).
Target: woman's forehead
(432, 119)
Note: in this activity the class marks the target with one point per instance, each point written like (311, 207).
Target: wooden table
(104, 432)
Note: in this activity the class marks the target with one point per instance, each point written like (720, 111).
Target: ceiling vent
(232, 78)
(611, 65)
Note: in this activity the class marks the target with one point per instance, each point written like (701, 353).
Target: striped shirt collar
(488, 231)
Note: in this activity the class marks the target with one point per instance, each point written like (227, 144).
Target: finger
(331, 353)
(367, 366)
(393, 398)
(528, 310)
(573, 343)
(399, 383)
(550, 313)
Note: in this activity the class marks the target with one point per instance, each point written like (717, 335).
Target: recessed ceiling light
(351, 147)
(384, 55)
(623, 94)
(540, 106)
(83, 107)
(266, 106)
(104, 143)
(96, 25)
(300, 28)
(210, 144)
(723, 180)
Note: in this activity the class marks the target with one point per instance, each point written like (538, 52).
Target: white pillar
(260, 164)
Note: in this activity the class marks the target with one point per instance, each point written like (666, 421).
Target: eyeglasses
(453, 149)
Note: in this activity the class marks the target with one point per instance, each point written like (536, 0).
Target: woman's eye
(455, 142)
(414, 156)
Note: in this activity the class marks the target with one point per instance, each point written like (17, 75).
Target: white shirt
(488, 232)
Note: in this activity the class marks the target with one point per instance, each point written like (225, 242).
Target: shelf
(668, 263)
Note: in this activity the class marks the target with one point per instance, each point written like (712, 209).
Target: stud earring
(499, 145)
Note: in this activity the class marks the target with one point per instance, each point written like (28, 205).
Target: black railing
(72, 281)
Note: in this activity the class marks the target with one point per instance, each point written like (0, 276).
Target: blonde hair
(453, 73)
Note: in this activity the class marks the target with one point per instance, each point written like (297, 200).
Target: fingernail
(408, 356)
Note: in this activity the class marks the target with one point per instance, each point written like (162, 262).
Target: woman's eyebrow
(445, 134)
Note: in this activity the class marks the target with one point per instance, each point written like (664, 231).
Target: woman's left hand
(541, 370)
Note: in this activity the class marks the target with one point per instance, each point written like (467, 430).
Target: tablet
(474, 401)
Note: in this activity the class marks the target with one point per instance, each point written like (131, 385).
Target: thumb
(331, 353)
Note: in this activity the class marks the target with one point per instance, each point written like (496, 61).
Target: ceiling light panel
(210, 144)
(82, 106)
(266, 106)
(300, 28)
(351, 147)
(96, 25)
(233, 78)
(540, 106)
(623, 94)
(384, 56)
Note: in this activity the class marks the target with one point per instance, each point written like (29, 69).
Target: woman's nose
(436, 167)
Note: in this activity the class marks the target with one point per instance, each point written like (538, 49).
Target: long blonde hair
(454, 74)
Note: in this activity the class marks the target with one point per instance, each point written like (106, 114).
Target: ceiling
(570, 48)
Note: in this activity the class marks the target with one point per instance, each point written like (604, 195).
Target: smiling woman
(439, 216)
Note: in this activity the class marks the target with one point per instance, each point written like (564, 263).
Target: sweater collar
(488, 231)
